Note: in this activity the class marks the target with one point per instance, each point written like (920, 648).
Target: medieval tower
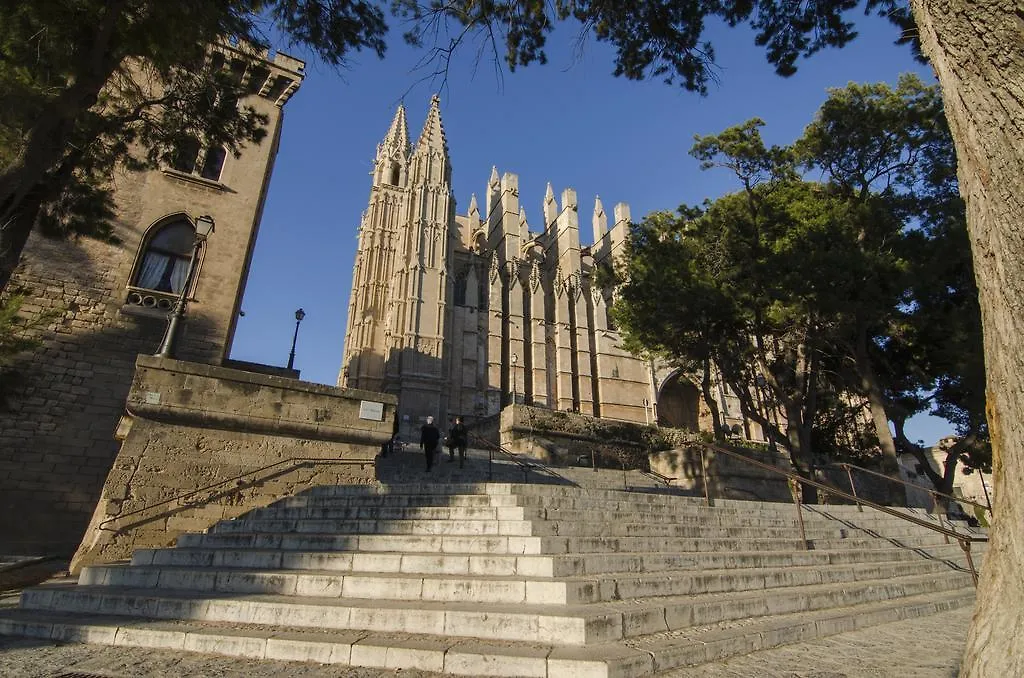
(59, 418)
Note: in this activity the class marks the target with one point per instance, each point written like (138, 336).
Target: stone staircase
(503, 579)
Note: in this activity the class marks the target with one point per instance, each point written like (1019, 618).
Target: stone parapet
(202, 443)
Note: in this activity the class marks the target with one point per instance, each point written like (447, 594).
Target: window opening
(167, 257)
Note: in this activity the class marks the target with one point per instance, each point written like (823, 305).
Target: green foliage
(653, 38)
(858, 288)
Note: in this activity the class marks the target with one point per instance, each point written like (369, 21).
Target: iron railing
(796, 482)
(935, 494)
(222, 488)
(525, 465)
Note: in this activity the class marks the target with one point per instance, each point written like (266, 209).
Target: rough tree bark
(977, 50)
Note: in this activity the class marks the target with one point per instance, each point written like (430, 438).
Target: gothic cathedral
(465, 314)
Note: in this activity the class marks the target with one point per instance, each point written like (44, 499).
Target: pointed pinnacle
(398, 133)
(433, 129)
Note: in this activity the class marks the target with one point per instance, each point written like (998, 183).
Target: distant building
(462, 314)
(974, 486)
(57, 429)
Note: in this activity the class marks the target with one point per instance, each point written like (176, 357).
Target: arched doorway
(679, 403)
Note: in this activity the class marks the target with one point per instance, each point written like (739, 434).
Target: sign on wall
(371, 410)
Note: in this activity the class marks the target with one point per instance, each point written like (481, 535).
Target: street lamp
(299, 315)
(515, 361)
(203, 228)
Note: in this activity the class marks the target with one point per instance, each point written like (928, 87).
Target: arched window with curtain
(163, 266)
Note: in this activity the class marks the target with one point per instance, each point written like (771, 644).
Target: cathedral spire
(393, 152)
(432, 135)
(398, 134)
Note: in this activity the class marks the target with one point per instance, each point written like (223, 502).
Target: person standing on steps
(458, 437)
(429, 437)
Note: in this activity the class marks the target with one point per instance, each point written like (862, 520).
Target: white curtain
(153, 266)
(179, 275)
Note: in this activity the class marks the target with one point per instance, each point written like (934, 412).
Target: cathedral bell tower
(395, 341)
(381, 228)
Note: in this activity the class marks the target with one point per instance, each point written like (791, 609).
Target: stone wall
(204, 443)
(728, 478)
(561, 437)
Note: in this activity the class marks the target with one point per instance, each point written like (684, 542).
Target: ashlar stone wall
(204, 443)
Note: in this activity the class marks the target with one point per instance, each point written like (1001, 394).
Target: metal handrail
(933, 492)
(795, 480)
(297, 463)
(526, 466)
(660, 477)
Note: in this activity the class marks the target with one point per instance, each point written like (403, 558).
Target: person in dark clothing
(458, 437)
(429, 437)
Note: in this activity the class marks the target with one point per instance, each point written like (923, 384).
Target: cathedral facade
(464, 314)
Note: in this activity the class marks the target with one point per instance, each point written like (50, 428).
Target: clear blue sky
(569, 123)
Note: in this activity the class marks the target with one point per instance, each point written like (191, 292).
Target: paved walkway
(929, 647)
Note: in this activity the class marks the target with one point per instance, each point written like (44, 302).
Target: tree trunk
(977, 49)
(709, 399)
(876, 403)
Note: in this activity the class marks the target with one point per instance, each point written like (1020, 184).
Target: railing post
(704, 475)
(965, 544)
(796, 489)
(853, 488)
(984, 487)
(490, 463)
(935, 509)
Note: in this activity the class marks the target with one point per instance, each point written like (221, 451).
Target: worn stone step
(385, 512)
(527, 565)
(470, 657)
(569, 624)
(497, 544)
(397, 500)
(492, 589)
(466, 527)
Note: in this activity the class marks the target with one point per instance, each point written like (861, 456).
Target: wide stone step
(516, 528)
(306, 500)
(498, 544)
(569, 624)
(492, 589)
(528, 565)
(385, 512)
(471, 657)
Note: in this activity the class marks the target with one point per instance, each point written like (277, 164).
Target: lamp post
(515, 361)
(203, 227)
(299, 315)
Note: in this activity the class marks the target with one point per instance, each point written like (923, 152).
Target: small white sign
(152, 398)
(371, 410)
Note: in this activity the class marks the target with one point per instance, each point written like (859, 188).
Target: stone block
(140, 636)
(226, 643)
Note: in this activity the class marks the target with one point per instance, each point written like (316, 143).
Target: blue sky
(569, 122)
